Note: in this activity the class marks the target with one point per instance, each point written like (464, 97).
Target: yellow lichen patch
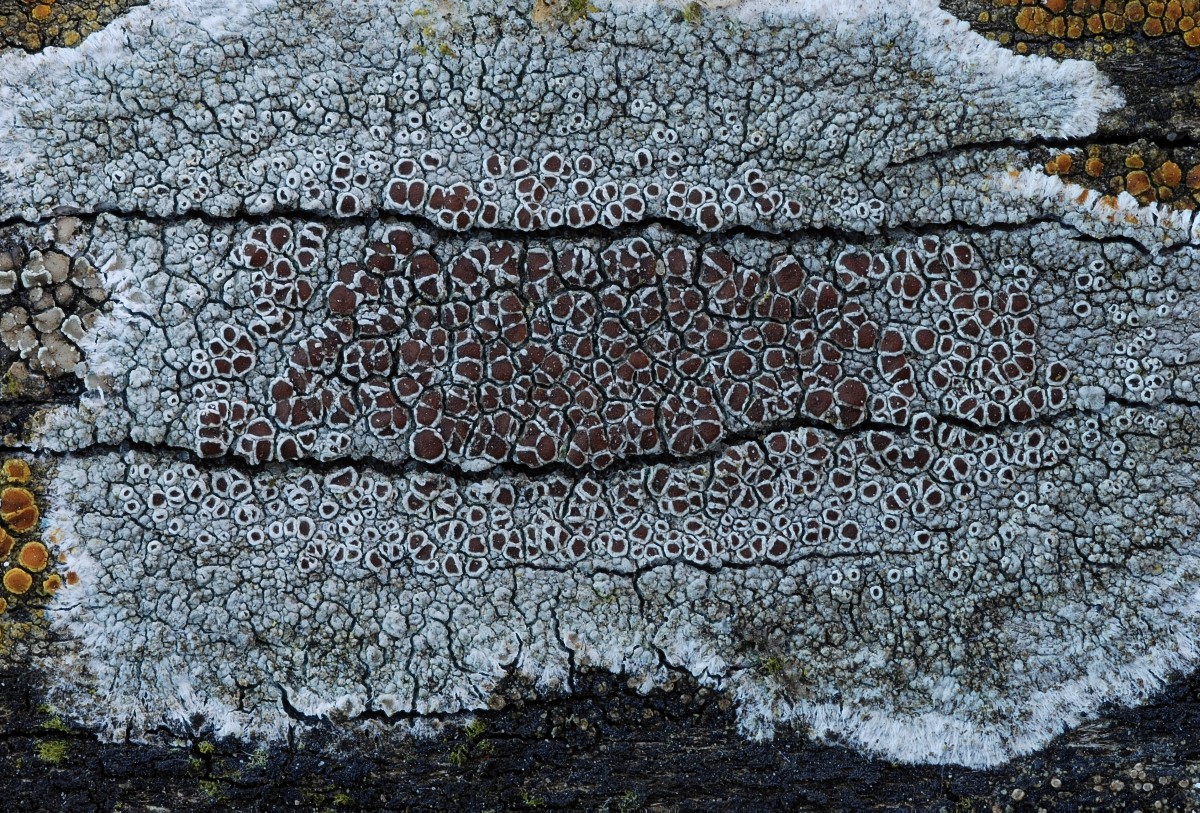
(1148, 171)
(17, 470)
(18, 509)
(1169, 174)
(1059, 164)
(1137, 182)
(27, 558)
(34, 557)
(35, 24)
(17, 581)
(3, 606)
(1072, 20)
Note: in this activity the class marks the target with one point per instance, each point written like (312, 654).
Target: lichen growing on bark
(456, 344)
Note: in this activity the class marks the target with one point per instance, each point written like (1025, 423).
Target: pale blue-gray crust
(743, 347)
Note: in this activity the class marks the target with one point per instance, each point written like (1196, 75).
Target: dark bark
(606, 747)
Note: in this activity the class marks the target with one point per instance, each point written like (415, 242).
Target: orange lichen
(18, 509)
(52, 584)
(1150, 172)
(34, 556)
(6, 543)
(72, 578)
(1059, 164)
(1068, 20)
(34, 24)
(1137, 182)
(17, 581)
(3, 605)
(17, 470)
(1169, 174)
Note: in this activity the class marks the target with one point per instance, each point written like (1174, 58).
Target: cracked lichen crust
(50, 297)
(450, 345)
(294, 340)
(473, 116)
(920, 455)
(962, 630)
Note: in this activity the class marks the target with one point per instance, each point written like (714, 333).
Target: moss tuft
(52, 752)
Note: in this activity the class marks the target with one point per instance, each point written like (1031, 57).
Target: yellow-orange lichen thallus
(1149, 178)
(26, 558)
(1080, 19)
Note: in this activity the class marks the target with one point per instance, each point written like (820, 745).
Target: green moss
(475, 745)
(532, 801)
(772, 666)
(460, 755)
(212, 790)
(693, 13)
(11, 386)
(342, 799)
(52, 752)
(56, 724)
(205, 747)
(575, 10)
(258, 759)
(627, 802)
